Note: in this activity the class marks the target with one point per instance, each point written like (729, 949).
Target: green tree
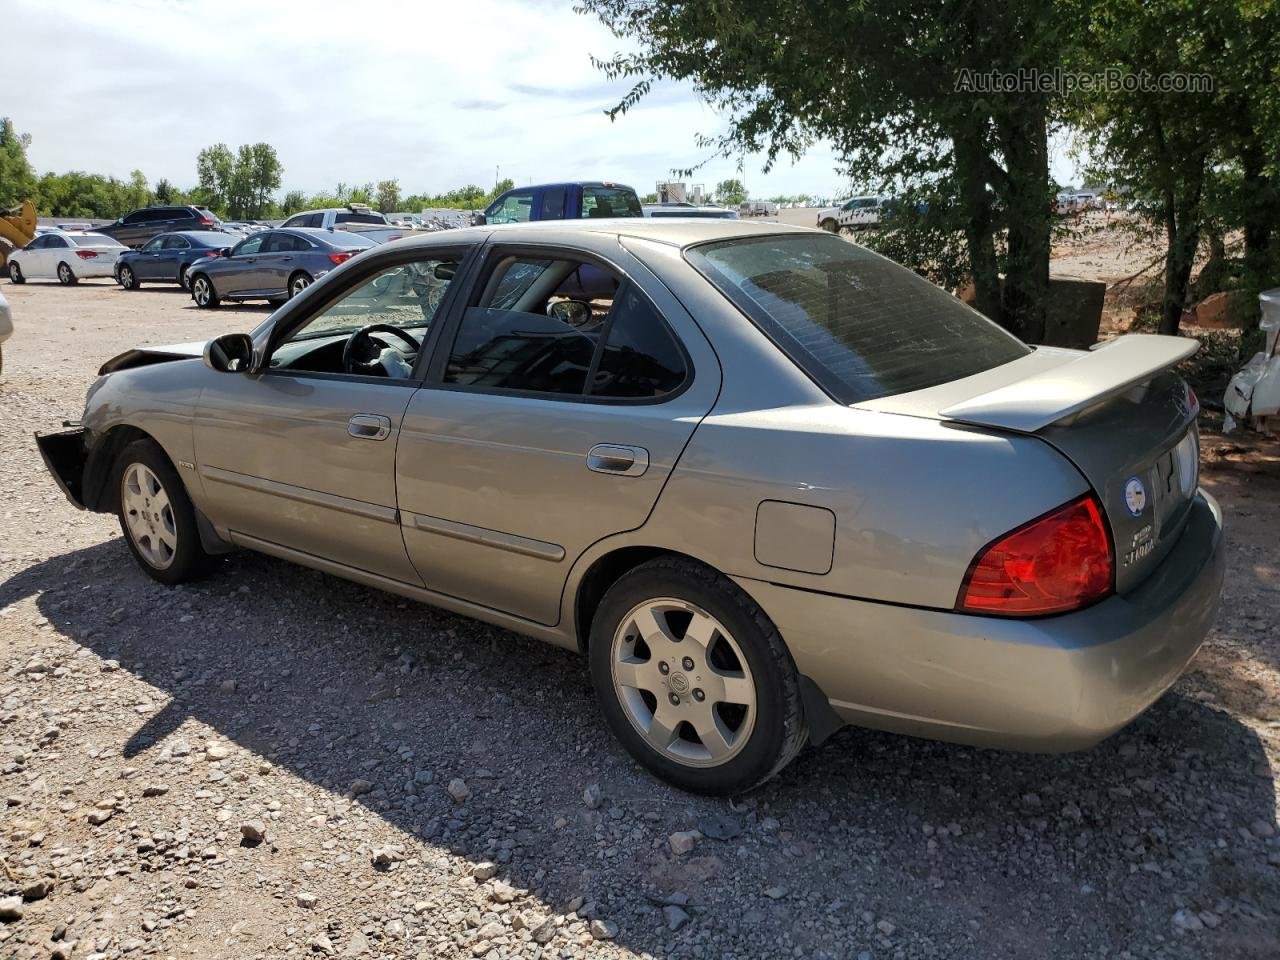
(263, 177)
(730, 192)
(165, 193)
(293, 202)
(388, 195)
(1199, 161)
(17, 179)
(892, 87)
(138, 193)
(215, 169)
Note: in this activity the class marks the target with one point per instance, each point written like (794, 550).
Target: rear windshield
(94, 240)
(610, 202)
(860, 325)
(349, 241)
(360, 218)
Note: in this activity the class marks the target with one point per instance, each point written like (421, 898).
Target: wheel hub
(683, 682)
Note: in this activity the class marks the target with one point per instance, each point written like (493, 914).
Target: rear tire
(299, 282)
(156, 515)
(202, 292)
(694, 679)
(65, 276)
(127, 278)
(830, 226)
(15, 273)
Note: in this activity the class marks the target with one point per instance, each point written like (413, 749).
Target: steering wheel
(364, 342)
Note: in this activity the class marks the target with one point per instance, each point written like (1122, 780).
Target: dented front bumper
(64, 455)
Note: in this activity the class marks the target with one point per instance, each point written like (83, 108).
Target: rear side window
(564, 328)
(860, 325)
(553, 203)
(610, 202)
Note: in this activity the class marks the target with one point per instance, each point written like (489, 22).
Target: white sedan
(67, 255)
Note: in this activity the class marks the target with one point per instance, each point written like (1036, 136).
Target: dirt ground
(260, 764)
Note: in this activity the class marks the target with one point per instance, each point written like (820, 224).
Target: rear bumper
(1052, 684)
(93, 269)
(64, 456)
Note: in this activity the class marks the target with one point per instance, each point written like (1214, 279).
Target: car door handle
(369, 426)
(616, 458)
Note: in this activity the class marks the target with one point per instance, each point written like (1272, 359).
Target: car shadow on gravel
(871, 842)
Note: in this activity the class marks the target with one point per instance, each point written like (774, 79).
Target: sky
(436, 95)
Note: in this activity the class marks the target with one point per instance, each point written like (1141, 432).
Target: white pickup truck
(855, 213)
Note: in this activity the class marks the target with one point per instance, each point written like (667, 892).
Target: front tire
(156, 515)
(15, 273)
(184, 278)
(694, 679)
(127, 278)
(65, 276)
(830, 226)
(299, 282)
(202, 292)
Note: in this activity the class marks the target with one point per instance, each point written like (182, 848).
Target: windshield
(860, 325)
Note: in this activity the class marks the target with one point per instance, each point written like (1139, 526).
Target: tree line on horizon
(239, 185)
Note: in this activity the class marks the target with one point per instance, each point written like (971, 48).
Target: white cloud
(437, 95)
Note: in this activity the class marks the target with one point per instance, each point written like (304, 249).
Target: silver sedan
(768, 482)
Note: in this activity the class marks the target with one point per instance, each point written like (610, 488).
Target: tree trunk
(975, 201)
(1025, 142)
(1182, 227)
(1260, 215)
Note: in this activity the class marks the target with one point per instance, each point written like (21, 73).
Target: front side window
(152, 245)
(404, 298)
(515, 207)
(249, 246)
(610, 202)
(859, 324)
(564, 327)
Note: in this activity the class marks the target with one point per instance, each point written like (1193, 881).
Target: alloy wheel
(64, 273)
(201, 291)
(300, 283)
(126, 277)
(683, 682)
(148, 515)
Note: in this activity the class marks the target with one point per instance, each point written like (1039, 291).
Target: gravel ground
(274, 762)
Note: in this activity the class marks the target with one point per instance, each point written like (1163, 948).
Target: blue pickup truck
(563, 201)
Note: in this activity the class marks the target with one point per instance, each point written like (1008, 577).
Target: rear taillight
(337, 258)
(1058, 562)
(86, 254)
(1192, 401)
(206, 222)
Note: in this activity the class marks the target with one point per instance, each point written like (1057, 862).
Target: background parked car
(678, 209)
(563, 201)
(354, 218)
(136, 228)
(69, 256)
(272, 265)
(854, 213)
(168, 257)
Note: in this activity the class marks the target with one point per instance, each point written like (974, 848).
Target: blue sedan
(272, 265)
(167, 258)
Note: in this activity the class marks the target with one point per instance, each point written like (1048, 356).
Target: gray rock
(253, 831)
(676, 917)
(359, 788)
(775, 893)
(603, 929)
(485, 870)
(683, 842)
(1187, 921)
(307, 900)
(458, 790)
(10, 909)
(593, 797)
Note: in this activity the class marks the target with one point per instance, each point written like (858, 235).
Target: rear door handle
(369, 426)
(616, 458)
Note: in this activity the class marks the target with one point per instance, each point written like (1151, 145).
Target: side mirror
(479, 220)
(575, 313)
(229, 353)
(224, 252)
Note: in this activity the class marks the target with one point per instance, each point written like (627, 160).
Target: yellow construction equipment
(17, 227)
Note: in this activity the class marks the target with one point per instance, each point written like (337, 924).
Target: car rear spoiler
(1043, 398)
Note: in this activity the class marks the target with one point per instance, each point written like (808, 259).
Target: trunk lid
(1117, 412)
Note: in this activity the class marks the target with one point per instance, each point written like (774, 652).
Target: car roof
(676, 231)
